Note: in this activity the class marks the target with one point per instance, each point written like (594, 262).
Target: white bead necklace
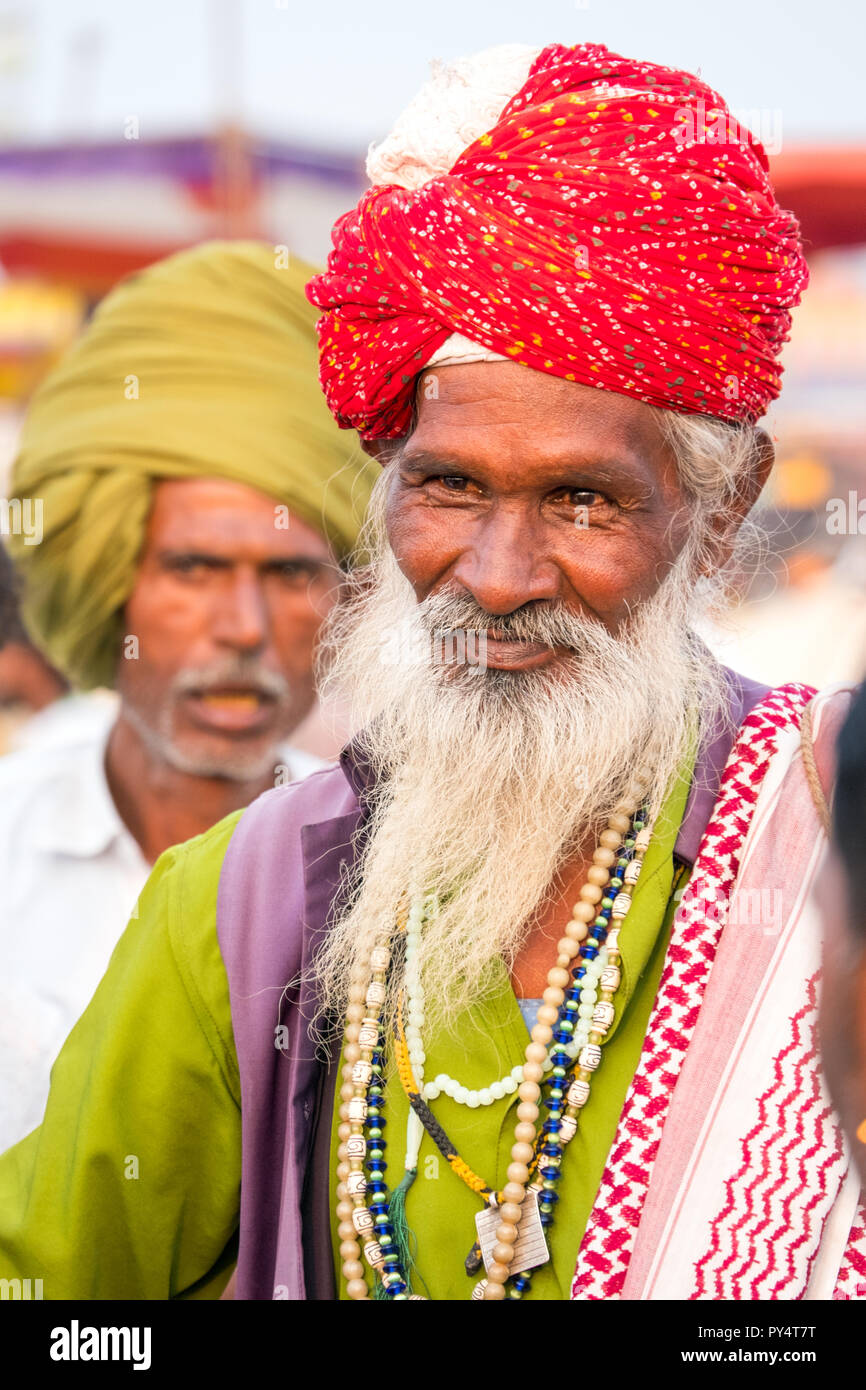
(443, 1084)
(510, 1213)
(367, 992)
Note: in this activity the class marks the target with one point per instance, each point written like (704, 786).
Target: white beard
(487, 781)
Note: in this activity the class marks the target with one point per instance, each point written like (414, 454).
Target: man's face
(548, 516)
(226, 609)
(517, 486)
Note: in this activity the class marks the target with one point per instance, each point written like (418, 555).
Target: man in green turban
(196, 507)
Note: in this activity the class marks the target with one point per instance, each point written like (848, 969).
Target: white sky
(336, 72)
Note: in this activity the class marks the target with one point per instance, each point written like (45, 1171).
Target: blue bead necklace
(365, 1208)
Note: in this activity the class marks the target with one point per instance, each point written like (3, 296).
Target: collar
(744, 694)
(80, 817)
(357, 770)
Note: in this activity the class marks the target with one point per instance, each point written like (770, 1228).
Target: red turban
(615, 227)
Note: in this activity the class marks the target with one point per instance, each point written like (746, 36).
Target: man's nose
(240, 617)
(505, 565)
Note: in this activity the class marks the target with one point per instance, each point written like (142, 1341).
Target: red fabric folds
(616, 228)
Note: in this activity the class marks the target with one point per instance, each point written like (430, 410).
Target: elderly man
(555, 318)
(197, 501)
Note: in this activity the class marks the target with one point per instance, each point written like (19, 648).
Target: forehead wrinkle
(587, 434)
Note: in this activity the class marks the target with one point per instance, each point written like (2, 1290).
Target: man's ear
(763, 459)
(382, 450)
(748, 491)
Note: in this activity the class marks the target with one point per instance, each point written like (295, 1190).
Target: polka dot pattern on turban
(615, 227)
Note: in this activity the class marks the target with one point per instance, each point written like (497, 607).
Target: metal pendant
(530, 1249)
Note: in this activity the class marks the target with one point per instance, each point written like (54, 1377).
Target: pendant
(530, 1249)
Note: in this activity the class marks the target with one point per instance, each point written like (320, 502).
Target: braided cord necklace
(410, 1058)
(363, 1201)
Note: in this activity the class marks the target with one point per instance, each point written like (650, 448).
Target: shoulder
(38, 784)
(827, 714)
(178, 905)
(320, 796)
(834, 700)
(744, 693)
(792, 722)
(74, 718)
(797, 788)
(279, 873)
(35, 767)
(183, 881)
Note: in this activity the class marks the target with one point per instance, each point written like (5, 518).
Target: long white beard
(488, 780)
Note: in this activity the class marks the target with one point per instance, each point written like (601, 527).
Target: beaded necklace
(410, 1058)
(580, 1016)
(421, 1113)
(363, 1202)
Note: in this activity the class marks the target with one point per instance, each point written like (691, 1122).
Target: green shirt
(130, 1187)
(484, 1046)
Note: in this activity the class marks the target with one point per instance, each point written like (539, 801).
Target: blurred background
(128, 131)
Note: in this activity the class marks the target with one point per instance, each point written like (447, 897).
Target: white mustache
(550, 622)
(235, 676)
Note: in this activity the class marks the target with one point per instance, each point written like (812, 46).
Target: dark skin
(842, 1019)
(26, 678)
(485, 494)
(217, 582)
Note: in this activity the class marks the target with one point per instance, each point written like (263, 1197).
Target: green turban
(204, 365)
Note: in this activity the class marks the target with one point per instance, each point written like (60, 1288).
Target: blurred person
(38, 708)
(198, 504)
(8, 599)
(556, 318)
(843, 904)
(28, 683)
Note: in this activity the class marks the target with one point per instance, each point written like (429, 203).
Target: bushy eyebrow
(624, 470)
(169, 556)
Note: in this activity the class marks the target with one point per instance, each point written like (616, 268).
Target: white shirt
(70, 875)
(72, 718)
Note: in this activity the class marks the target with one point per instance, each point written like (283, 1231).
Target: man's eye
(189, 565)
(584, 497)
(293, 574)
(455, 482)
